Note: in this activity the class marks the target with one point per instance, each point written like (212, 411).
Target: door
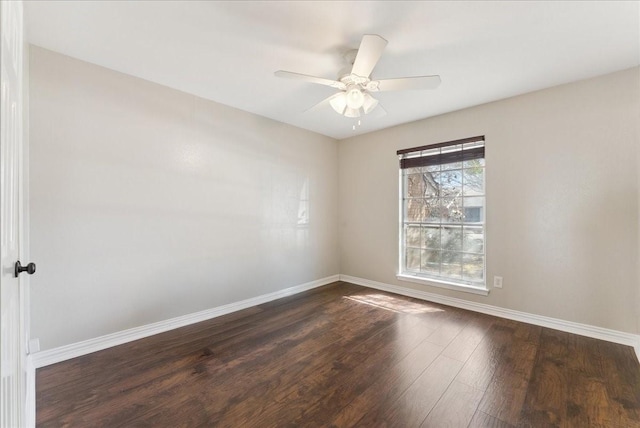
(12, 325)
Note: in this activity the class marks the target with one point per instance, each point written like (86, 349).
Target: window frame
(409, 159)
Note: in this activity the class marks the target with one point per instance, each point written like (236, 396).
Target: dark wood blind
(413, 161)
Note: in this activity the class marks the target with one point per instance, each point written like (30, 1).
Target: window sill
(444, 284)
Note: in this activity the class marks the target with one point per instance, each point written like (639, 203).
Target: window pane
(432, 210)
(453, 165)
(473, 240)
(431, 186)
(474, 163)
(431, 237)
(452, 210)
(431, 262)
(451, 264)
(413, 238)
(416, 170)
(474, 209)
(473, 181)
(450, 182)
(415, 185)
(413, 259)
(472, 214)
(413, 210)
(473, 267)
(452, 238)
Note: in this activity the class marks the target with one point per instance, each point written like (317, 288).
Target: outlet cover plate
(497, 281)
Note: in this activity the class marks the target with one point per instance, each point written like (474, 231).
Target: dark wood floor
(344, 355)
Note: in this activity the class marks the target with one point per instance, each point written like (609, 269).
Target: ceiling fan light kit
(338, 102)
(369, 103)
(353, 102)
(354, 97)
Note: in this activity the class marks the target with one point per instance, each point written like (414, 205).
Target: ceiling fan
(355, 83)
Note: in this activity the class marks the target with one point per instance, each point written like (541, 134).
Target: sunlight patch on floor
(394, 304)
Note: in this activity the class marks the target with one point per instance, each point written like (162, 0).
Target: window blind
(441, 153)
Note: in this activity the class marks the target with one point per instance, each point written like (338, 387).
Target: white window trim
(483, 291)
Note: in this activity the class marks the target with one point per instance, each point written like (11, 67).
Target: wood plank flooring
(343, 356)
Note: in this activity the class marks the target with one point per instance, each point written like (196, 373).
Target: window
(442, 214)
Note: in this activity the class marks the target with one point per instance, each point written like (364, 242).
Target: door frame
(25, 254)
(26, 373)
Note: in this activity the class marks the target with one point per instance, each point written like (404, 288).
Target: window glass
(443, 206)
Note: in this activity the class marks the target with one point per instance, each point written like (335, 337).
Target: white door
(12, 326)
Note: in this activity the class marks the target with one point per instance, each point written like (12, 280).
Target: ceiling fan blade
(378, 112)
(311, 79)
(407, 83)
(330, 100)
(369, 53)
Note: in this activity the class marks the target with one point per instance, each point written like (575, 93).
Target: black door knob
(30, 268)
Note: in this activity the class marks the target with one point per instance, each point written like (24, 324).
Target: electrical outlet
(497, 282)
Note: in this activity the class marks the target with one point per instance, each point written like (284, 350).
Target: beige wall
(147, 203)
(562, 195)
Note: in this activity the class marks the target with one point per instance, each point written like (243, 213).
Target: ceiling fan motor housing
(349, 57)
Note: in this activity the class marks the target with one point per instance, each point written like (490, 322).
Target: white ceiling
(227, 51)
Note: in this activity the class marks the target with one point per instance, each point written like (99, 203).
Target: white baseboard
(56, 355)
(609, 335)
